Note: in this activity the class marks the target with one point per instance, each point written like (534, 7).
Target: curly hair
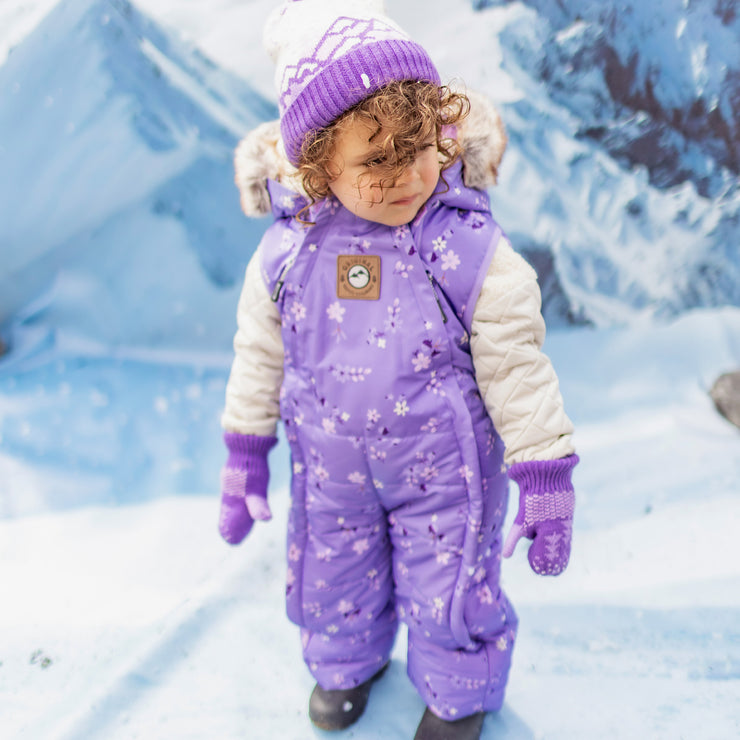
(407, 114)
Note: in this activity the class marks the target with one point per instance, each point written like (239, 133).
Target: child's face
(358, 186)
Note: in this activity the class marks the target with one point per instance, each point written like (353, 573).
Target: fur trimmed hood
(260, 156)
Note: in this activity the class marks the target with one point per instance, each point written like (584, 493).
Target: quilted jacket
(515, 378)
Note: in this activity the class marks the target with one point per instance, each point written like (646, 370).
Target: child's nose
(409, 174)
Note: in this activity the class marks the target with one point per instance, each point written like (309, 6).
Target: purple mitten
(244, 480)
(546, 503)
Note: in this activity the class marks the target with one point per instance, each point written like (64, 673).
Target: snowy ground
(131, 619)
(125, 616)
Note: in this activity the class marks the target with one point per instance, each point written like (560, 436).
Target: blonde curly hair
(407, 113)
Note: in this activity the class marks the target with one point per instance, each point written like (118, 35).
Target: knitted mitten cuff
(246, 470)
(545, 489)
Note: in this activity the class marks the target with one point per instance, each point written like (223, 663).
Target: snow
(155, 628)
(123, 613)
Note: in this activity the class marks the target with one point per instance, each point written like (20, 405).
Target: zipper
(278, 285)
(433, 283)
(281, 280)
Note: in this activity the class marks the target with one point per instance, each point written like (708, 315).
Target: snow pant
(382, 529)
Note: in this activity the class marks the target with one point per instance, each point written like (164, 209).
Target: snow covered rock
(726, 396)
(624, 150)
(116, 145)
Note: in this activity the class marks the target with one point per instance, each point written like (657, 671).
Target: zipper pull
(280, 281)
(436, 296)
(276, 292)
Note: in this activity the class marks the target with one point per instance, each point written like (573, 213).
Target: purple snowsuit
(398, 489)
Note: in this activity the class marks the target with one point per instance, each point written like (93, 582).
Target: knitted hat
(331, 55)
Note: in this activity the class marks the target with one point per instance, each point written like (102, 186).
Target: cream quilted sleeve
(253, 389)
(517, 381)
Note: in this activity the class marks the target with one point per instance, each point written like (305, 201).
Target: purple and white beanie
(331, 55)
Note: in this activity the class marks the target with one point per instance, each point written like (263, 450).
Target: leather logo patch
(358, 276)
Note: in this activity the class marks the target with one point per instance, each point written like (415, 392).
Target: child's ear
(483, 138)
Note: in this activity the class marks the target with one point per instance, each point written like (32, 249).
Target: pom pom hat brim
(331, 55)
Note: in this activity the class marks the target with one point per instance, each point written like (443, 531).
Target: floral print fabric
(398, 489)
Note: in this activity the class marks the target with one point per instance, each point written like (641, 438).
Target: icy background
(121, 253)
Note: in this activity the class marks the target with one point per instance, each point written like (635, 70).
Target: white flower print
(294, 553)
(361, 546)
(502, 644)
(319, 470)
(485, 595)
(421, 361)
(287, 243)
(358, 246)
(373, 416)
(401, 408)
(378, 454)
(466, 473)
(439, 244)
(325, 556)
(313, 608)
(429, 471)
(336, 312)
(393, 322)
(287, 201)
(421, 472)
(435, 385)
(329, 425)
(372, 576)
(450, 261)
(345, 606)
(431, 426)
(346, 374)
(376, 338)
(298, 310)
(402, 270)
(357, 477)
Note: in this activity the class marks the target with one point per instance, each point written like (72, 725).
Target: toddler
(387, 321)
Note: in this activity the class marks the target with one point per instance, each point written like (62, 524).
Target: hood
(260, 157)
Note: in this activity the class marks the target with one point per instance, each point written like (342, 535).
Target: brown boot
(337, 709)
(432, 727)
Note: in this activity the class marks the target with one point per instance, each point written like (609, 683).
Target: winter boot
(339, 708)
(432, 727)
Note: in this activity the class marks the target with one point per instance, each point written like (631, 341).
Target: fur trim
(483, 138)
(260, 156)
